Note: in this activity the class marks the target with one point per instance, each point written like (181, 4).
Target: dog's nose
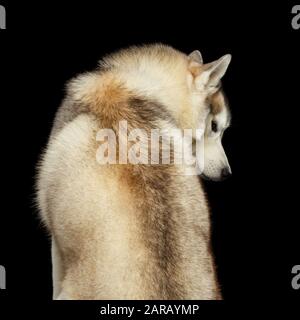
(226, 173)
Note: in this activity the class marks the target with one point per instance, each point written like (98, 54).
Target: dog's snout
(226, 173)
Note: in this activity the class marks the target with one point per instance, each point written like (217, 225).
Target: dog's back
(121, 231)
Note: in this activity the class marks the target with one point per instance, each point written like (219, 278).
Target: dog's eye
(214, 126)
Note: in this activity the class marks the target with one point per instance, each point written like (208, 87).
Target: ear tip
(228, 56)
(196, 52)
(196, 56)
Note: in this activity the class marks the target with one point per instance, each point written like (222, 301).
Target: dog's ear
(195, 63)
(211, 73)
(196, 57)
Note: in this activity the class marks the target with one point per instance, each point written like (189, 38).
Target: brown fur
(217, 102)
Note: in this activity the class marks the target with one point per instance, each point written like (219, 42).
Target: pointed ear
(195, 64)
(212, 73)
(196, 57)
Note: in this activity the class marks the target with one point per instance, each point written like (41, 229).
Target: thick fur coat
(128, 231)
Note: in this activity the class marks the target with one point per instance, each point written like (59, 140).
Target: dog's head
(216, 165)
(213, 115)
(187, 88)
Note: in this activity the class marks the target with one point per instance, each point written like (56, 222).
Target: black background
(255, 226)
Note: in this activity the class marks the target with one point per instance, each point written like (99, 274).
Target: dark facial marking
(214, 126)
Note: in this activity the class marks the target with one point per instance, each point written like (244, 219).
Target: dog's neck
(157, 82)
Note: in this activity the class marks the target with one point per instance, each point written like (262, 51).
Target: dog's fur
(133, 231)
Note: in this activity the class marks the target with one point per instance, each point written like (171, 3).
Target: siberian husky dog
(132, 230)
